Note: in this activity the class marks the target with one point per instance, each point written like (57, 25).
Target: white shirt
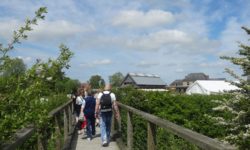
(80, 101)
(112, 95)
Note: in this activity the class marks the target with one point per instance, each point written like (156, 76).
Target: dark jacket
(89, 109)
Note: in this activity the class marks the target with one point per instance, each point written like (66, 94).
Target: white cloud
(59, 29)
(25, 59)
(156, 40)
(170, 43)
(146, 64)
(102, 62)
(140, 19)
(179, 70)
(230, 36)
(169, 40)
(45, 30)
(7, 28)
(97, 63)
(217, 64)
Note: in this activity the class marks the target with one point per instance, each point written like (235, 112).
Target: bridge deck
(80, 142)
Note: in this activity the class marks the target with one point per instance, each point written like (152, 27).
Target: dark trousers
(90, 125)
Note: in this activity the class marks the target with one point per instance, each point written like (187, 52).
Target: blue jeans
(105, 125)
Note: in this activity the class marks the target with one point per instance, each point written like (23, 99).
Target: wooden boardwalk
(80, 142)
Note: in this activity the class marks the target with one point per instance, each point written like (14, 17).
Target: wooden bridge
(68, 139)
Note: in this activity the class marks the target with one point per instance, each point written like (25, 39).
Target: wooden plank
(24, 134)
(70, 118)
(60, 108)
(20, 137)
(65, 124)
(80, 142)
(151, 140)
(40, 142)
(129, 131)
(58, 132)
(200, 140)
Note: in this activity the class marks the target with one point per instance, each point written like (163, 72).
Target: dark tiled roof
(146, 79)
(176, 82)
(196, 76)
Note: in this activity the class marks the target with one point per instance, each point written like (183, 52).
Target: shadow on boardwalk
(80, 142)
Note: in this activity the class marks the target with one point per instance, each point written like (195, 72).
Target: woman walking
(78, 109)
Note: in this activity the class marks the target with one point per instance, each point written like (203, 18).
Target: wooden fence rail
(24, 134)
(199, 140)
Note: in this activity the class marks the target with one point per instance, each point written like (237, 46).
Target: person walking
(78, 109)
(89, 112)
(106, 100)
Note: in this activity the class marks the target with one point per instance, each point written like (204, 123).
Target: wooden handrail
(21, 136)
(198, 139)
(58, 109)
(24, 134)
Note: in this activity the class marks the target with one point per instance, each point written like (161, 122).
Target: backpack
(106, 102)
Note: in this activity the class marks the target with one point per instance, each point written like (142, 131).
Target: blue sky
(163, 37)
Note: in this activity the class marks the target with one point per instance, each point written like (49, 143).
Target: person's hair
(80, 92)
(91, 92)
(107, 87)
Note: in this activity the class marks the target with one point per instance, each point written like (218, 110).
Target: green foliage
(96, 82)
(67, 85)
(185, 110)
(27, 96)
(239, 105)
(116, 79)
(13, 67)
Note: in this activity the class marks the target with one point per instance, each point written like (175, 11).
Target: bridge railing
(63, 124)
(195, 138)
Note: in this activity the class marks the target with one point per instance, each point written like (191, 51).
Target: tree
(20, 34)
(116, 79)
(9, 65)
(96, 82)
(239, 105)
(67, 85)
(14, 67)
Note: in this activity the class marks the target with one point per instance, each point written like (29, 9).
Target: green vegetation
(28, 95)
(96, 82)
(116, 79)
(189, 111)
(239, 105)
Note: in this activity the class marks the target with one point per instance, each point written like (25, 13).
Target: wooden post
(40, 143)
(66, 123)
(113, 125)
(58, 132)
(70, 118)
(73, 115)
(151, 141)
(129, 131)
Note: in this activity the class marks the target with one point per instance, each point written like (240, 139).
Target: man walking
(106, 100)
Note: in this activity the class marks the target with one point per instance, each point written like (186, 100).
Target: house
(182, 85)
(143, 81)
(208, 87)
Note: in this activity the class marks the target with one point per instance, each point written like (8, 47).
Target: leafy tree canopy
(239, 106)
(116, 79)
(13, 67)
(96, 82)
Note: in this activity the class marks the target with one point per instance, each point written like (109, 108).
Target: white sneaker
(89, 139)
(104, 143)
(79, 132)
